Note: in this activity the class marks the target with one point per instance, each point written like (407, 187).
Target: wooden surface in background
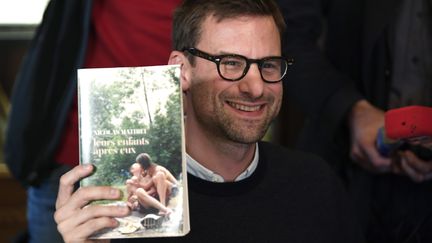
(12, 207)
(14, 41)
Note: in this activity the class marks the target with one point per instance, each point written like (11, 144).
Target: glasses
(234, 67)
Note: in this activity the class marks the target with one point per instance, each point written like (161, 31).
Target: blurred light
(27, 12)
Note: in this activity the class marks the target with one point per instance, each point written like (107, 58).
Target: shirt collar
(198, 170)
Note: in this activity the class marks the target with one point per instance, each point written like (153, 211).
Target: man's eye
(271, 65)
(232, 62)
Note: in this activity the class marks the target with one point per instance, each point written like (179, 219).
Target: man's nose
(252, 83)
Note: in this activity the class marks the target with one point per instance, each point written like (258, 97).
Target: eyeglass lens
(235, 67)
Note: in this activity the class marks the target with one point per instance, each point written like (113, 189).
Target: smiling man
(225, 118)
(240, 189)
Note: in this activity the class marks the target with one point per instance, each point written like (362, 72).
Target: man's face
(239, 111)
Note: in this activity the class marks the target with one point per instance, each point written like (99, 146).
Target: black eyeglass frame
(217, 60)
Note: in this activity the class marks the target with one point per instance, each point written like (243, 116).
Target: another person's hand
(415, 168)
(76, 219)
(364, 122)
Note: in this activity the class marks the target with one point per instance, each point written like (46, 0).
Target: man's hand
(364, 122)
(412, 166)
(76, 219)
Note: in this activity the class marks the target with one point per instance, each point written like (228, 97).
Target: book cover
(131, 129)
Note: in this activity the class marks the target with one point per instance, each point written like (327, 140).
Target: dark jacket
(356, 64)
(353, 62)
(44, 90)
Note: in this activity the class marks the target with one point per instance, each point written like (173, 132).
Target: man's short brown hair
(191, 14)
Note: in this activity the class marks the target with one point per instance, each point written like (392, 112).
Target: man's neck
(227, 159)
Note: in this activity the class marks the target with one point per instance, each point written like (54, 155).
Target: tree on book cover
(131, 130)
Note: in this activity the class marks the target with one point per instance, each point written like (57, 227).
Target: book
(131, 129)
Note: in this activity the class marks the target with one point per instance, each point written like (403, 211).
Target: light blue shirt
(196, 169)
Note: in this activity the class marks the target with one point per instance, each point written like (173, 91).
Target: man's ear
(177, 57)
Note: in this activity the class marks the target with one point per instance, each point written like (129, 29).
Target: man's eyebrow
(219, 53)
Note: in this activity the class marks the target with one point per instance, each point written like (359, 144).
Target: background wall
(14, 41)
(18, 20)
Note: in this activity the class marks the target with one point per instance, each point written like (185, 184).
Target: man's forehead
(215, 19)
(211, 22)
(239, 32)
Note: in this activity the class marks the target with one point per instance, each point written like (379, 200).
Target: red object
(408, 122)
(124, 33)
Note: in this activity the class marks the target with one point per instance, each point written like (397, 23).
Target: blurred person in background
(42, 131)
(355, 60)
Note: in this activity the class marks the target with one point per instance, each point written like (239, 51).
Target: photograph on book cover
(131, 130)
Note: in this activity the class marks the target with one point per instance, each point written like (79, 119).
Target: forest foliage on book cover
(127, 111)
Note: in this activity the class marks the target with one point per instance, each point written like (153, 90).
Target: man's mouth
(247, 108)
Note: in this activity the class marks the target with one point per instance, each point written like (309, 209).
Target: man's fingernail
(114, 223)
(87, 166)
(123, 209)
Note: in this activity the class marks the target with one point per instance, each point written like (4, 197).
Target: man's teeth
(244, 107)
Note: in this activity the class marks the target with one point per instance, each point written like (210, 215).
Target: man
(240, 190)
(376, 55)
(142, 192)
(162, 179)
(150, 186)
